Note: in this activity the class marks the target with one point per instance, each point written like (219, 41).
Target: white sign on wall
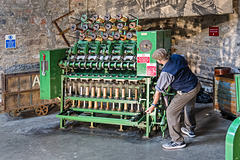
(10, 41)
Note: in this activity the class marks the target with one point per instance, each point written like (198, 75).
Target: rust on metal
(60, 30)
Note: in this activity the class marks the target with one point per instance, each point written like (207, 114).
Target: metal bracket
(60, 30)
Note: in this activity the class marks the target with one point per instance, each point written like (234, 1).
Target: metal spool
(138, 28)
(109, 18)
(121, 17)
(98, 18)
(131, 36)
(111, 27)
(98, 27)
(87, 91)
(88, 39)
(84, 18)
(95, 17)
(98, 92)
(99, 38)
(123, 38)
(93, 36)
(74, 27)
(105, 92)
(133, 25)
(105, 36)
(92, 92)
(119, 36)
(110, 93)
(85, 27)
(108, 26)
(116, 93)
(123, 93)
(125, 107)
(82, 36)
(121, 26)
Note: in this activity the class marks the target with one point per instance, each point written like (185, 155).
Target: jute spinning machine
(108, 75)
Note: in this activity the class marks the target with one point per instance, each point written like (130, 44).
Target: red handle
(44, 56)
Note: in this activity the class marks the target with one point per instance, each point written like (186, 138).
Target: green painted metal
(237, 83)
(63, 102)
(50, 73)
(105, 112)
(148, 82)
(103, 120)
(106, 77)
(94, 64)
(113, 61)
(152, 41)
(112, 46)
(102, 100)
(232, 146)
(147, 121)
(167, 40)
(66, 74)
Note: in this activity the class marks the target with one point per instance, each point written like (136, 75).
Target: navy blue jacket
(177, 74)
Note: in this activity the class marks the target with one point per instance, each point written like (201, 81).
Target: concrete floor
(38, 138)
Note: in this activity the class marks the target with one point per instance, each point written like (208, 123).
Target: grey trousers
(182, 101)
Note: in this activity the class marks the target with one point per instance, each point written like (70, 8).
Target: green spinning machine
(108, 76)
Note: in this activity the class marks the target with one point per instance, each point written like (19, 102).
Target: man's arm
(155, 101)
(163, 82)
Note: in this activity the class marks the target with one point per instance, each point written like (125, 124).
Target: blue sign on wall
(10, 41)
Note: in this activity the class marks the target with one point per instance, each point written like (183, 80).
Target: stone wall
(190, 36)
(31, 21)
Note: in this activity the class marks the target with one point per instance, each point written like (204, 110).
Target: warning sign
(10, 41)
(151, 69)
(213, 31)
(143, 58)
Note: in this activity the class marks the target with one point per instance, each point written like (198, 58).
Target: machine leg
(147, 106)
(92, 124)
(121, 126)
(147, 127)
(62, 123)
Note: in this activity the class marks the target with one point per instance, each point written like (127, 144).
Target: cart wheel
(14, 113)
(41, 110)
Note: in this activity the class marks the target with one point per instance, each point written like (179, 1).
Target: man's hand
(155, 101)
(150, 109)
